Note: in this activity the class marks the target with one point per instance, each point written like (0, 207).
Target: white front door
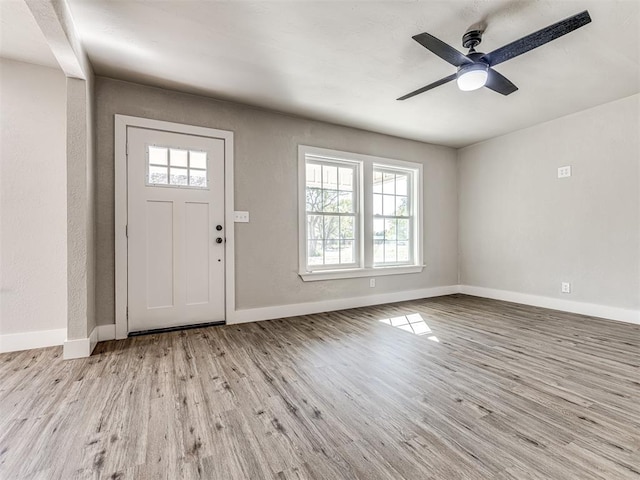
(176, 230)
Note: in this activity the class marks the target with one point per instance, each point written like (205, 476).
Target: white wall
(522, 229)
(33, 200)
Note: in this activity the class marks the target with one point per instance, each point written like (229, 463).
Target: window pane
(197, 159)
(403, 251)
(389, 251)
(345, 204)
(388, 205)
(390, 229)
(157, 155)
(331, 252)
(346, 251)
(378, 251)
(378, 228)
(198, 178)
(403, 229)
(377, 204)
(402, 209)
(331, 228)
(158, 175)
(314, 175)
(401, 184)
(314, 200)
(178, 158)
(346, 228)
(330, 177)
(377, 181)
(346, 179)
(330, 200)
(315, 229)
(388, 183)
(314, 252)
(178, 176)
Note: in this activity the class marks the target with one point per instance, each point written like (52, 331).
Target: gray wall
(522, 229)
(81, 205)
(266, 185)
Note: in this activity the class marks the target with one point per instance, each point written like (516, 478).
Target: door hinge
(127, 312)
(126, 231)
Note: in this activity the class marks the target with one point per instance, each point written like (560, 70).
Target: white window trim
(365, 202)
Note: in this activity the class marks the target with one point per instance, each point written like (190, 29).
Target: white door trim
(120, 179)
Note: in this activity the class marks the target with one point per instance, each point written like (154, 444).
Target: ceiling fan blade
(441, 49)
(537, 39)
(499, 83)
(442, 81)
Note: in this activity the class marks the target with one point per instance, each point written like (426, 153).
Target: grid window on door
(176, 167)
(392, 219)
(331, 193)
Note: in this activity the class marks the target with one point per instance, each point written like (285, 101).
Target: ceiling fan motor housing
(472, 39)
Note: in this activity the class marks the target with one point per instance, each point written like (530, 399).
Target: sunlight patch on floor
(412, 323)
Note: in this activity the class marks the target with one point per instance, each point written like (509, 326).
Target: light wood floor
(506, 392)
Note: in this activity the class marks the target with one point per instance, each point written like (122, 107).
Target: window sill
(359, 272)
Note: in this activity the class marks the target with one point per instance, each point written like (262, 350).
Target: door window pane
(157, 155)
(197, 178)
(198, 159)
(158, 175)
(178, 176)
(179, 158)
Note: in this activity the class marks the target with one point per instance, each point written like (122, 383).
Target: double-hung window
(358, 215)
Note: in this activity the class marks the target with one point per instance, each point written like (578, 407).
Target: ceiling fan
(475, 68)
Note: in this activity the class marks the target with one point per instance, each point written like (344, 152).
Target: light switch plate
(240, 217)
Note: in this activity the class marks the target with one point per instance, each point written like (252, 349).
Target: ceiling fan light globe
(472, 77)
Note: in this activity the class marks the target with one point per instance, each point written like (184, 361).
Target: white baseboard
(295, 309)
(106, 332)
(81, 347)
(14, 342)
(590, 309)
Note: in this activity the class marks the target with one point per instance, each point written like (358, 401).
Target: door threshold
(175, 329)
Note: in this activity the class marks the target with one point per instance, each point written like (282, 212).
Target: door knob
(218, 240)
(218, 227)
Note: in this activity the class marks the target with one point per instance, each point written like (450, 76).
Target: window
(331, 201)
(358, 215)
(392, 221)
(176, 167)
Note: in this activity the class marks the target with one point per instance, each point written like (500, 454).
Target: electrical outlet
(566, 287)
(564, 172)
(372, 282)
(241, 217)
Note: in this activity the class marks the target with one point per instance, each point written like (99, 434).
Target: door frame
(122, 122)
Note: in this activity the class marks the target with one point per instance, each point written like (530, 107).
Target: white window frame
(364, 215)
(188, 168)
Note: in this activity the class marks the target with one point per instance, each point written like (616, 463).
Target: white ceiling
(20, 36)
(346, 62)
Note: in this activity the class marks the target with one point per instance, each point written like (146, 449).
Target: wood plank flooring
(493, 391)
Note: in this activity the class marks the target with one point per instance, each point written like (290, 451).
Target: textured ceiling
(346, 62)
